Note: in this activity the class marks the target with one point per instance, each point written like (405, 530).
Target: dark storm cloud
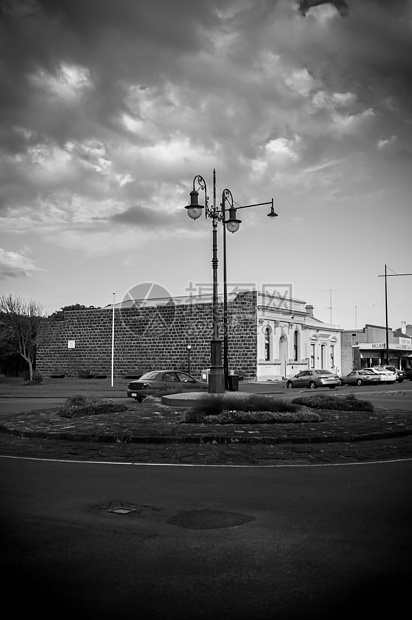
(306, 5)
(152, 20)
(118, 42)
(368, 53)
(102, 99)
(141, 217)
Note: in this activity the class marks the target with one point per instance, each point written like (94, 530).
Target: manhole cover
(122, 511)
(209, 519)
(119, 508)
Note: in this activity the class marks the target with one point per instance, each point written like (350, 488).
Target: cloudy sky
(110, 108)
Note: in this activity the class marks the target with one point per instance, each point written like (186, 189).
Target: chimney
(309, 310)
(403, 327)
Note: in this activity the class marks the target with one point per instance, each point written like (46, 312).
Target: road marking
(231, 466)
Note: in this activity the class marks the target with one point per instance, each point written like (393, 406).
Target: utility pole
(389, 275)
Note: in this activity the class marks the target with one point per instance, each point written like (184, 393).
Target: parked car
(408, 373)
(386, 376)
(314, 379)
(360, 377)
(400, 374)
(161, 382)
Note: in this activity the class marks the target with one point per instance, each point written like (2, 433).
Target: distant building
(367, 347)
(270, 337)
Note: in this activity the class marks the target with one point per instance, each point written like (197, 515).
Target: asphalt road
(106, 540)
(205, 542)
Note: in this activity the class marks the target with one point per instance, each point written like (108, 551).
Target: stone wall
(147, 338)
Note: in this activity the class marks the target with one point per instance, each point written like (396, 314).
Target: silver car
(161, 382)
(313, 379)
(360, 377)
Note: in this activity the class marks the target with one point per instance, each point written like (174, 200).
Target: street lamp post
(188, 348)
(218, 372)
(233, 227)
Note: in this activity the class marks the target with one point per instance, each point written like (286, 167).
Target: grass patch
(334, 403)
(257, 409)
(79, 406)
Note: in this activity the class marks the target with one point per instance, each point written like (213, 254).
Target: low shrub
(79, 406)
(37, 379)
(84, 373)
(78, 400)
(258, 409)
(249, 417)
(333, 403)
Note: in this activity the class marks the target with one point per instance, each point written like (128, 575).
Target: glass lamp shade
(194, 210)
(232, 224)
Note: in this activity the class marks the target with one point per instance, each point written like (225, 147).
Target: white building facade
(291, 339)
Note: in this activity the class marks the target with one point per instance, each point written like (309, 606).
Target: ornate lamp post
(218, 372)
(232, 225)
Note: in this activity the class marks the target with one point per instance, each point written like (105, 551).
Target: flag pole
(113, 338)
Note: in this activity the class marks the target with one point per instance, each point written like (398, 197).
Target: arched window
(267, 343)
(296, 346)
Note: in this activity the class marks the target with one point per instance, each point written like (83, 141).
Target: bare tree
(19, 324)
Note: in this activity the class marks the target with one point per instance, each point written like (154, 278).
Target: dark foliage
(258, 409)
(36, 380)
(333, 403)
(213, 405)
(78, 406)
(249, 417)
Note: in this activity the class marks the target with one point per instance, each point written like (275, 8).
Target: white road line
(232, 466)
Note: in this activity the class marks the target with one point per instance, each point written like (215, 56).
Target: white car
(386, 376)
(400, 374)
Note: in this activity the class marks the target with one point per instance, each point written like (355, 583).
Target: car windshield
(149, 376)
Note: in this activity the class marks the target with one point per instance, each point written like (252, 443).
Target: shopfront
(366, 347)
(374, 354)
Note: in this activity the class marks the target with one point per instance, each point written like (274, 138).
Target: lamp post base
(217, 373)
(217, 380)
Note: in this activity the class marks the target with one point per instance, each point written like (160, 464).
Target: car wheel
(289, 385)
(138, 398)
(400, 380)
(312, 385)
(359, 382)
(332, 387)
